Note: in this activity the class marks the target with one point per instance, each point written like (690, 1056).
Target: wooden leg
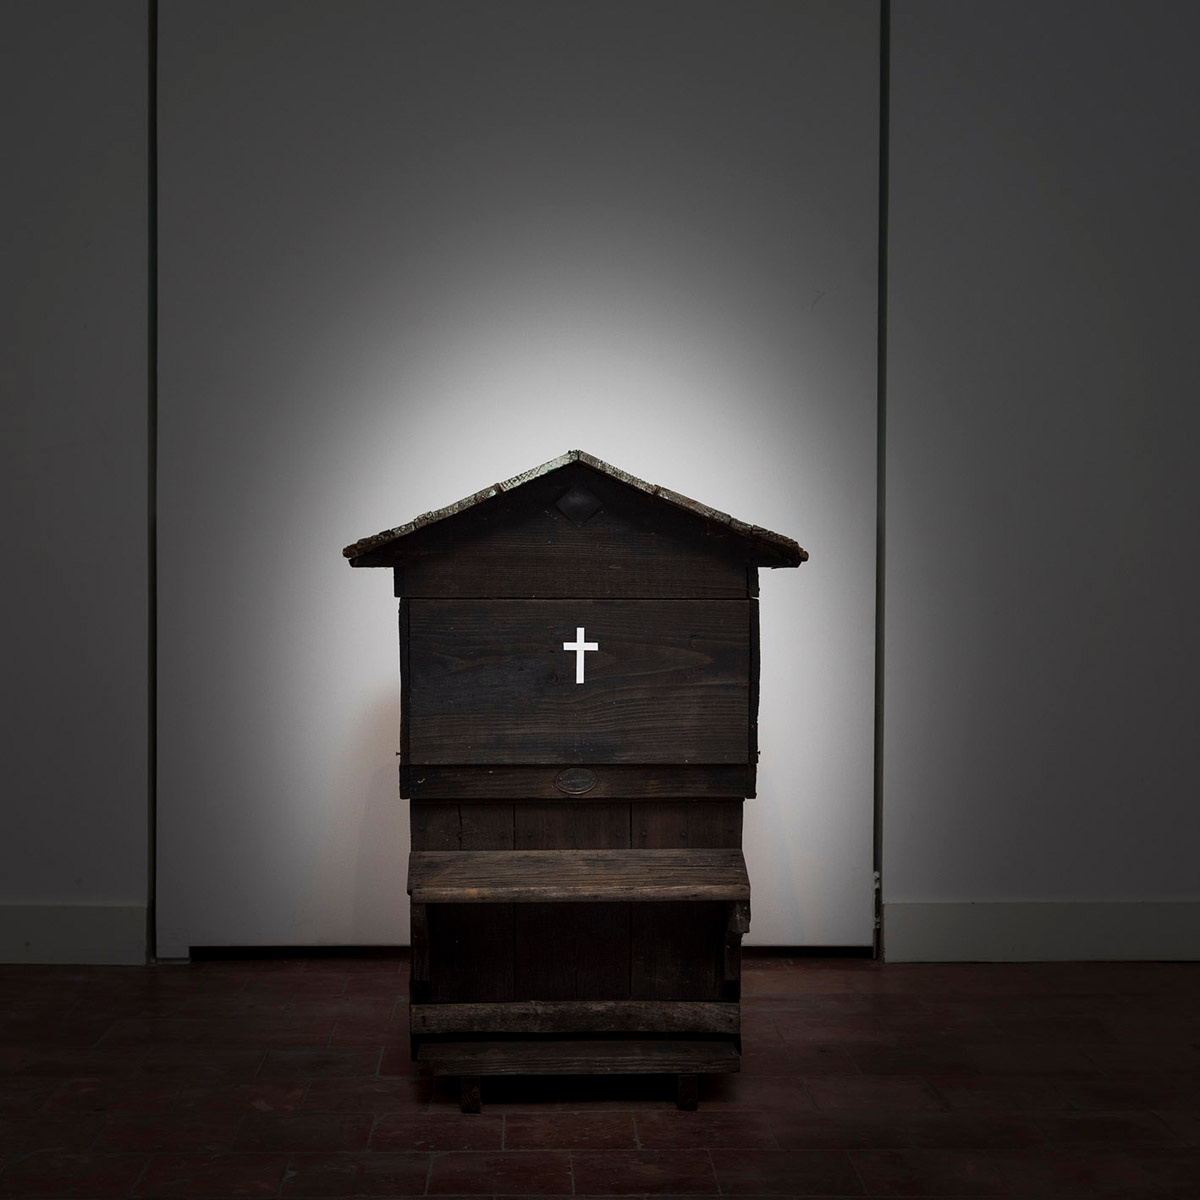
(687, 1094)
(471, 1100)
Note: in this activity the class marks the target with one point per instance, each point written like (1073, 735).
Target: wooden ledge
(506, 876)
(535, 1057)
(577, 1016)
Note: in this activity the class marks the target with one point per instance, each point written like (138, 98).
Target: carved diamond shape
(578, 504)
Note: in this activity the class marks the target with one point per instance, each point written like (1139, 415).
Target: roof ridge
(783, 546)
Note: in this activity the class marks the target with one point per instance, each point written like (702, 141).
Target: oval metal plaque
(575, 781)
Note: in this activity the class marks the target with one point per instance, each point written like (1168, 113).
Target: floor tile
(368, 1094)
(156, 1133)
(366, 1173)
(438, 1131)
(54, 1173)
(1184, 1125)
(203, 1175)
(304, 1131)
(1074, 1173)
(507, 1172)
(929, 1173)
(643, 1172)
(1105, 1130)
(24, 1096)
(311, 1063)
(73, 1132)
(903, 1093)
(258, 1096)
(602, 1130)
(786, 1172)
(680, 1130)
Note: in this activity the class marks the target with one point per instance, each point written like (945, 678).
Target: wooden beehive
(579, 693)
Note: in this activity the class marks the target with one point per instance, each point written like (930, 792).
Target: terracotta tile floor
(290, 1077)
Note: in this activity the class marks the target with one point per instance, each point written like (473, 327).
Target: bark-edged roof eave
(775, 546)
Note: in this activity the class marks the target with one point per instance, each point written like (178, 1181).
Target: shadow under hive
(579, 694)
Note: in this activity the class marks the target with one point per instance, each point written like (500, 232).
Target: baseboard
(1041, 931)
(73, 933)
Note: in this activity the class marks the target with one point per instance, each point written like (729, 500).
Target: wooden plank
(522, 544)
(678, 951)
(624, 1057)
(434, 825)
(470, 953)
(571, 951)
(486, 826)
(491, 682)
(405, 682)
(419, 979)
(470, 1094)
(491, 877)
(752, 755)
(613, 781)
(663, 824)
(440, 825)
(571, 825)
(738, 922)
(577, 1016)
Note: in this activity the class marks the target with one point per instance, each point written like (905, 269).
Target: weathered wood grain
(678, 951)
(521, 544)
(613, 781)
(434, 826)
(470, 953)
(581, 825)
(498, 876)
(571, 951)
(625, 1057)
(419, 970)
(442, 825)
(470, 1094)
(490, 682)
(669, 824)
(577, 1016)
(486, 826)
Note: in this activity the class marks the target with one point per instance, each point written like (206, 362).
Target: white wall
(410, 249)
(1041, 699)
(367, 317)
(73, 470)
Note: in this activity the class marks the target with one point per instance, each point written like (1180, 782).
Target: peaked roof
(775, 545)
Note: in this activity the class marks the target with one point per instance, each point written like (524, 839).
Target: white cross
(580, 647)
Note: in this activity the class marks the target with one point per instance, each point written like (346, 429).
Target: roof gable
(758, 546)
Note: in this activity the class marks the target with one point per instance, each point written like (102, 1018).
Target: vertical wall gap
(152, 480)
(885, 35)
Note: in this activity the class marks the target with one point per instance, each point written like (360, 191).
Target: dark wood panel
(613, 781)
(663, 824)
(470, 953)
(491, 682)
(523, 545)
(678, 951)
(539, 876)
(738, 923)
(444, 825)
(486, 826)
(578, 1016)
(571, 825)
(625, 1057)
(754, 682)
(571, 952)
(405, 681)
(419, 970)
(434, 826)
